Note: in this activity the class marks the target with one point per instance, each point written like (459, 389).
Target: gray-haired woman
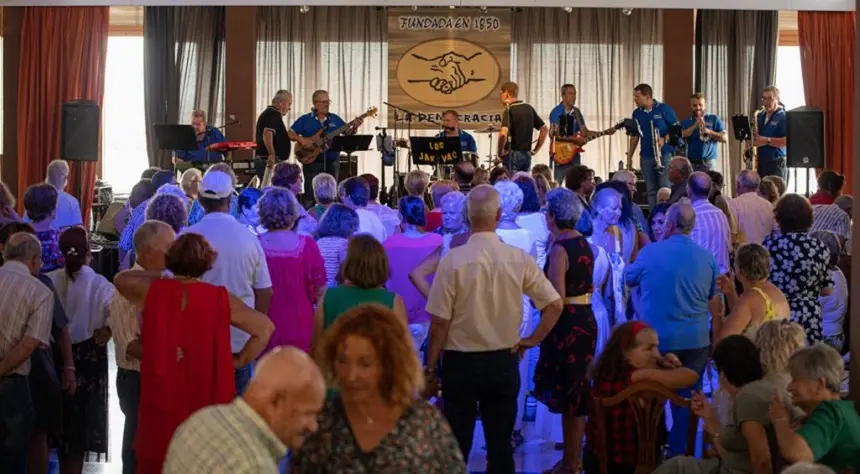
(830, 435)
(455, 232)
(296, 267)
(325, 193)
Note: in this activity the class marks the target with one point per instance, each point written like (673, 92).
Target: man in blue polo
(206, 136)
(702, 131)
(565, 120)
(309, 124)
(451, 125)
(770, 140)
(652, 112)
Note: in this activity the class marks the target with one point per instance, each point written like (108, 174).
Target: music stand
(436, 152)
(349, 144)
(741, 127)
(173, 137)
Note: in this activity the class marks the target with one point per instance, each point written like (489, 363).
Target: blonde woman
(777, 341)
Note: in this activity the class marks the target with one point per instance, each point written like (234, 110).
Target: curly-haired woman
(374, 423)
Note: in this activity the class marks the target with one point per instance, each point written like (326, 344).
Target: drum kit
(491, 160)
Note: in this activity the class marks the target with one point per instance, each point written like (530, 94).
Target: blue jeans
(128, 391)
(518, 160)
(695, 360)
(773, 168)
(17, 420)
(243, 376)
(653, 179)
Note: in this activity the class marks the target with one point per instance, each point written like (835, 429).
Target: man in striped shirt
(711, 231)
(251, 434)
(753, 212)
(833, 218)
(26, 310)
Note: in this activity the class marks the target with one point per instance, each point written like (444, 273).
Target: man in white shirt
(476, 303)
(753, 212)
(711, 230)
(26, 310)
(68, 207)
(356, 194)
(241, 264)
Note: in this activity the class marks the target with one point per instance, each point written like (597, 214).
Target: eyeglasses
(322, 102)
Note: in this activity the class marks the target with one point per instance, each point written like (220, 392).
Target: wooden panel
(679, 39)
(240, 77)
(788, 28)
(126, 21)
(439, 60)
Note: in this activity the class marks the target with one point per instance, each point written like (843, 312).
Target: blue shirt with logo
(310, 123)
(776, 127)
(573, 123)
(663, 118)
(674, 296)
(467, 141)
(200, 155)
(696, 148)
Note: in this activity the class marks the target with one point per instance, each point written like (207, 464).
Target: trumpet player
(654, 119)
(770, 137)
(702, 131)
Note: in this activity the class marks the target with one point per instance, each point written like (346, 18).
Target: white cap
(216, 185)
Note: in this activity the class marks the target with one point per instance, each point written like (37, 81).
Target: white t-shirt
(835, 305)
(241, 264)
(536, 224)
(86, 300)
(369, 223)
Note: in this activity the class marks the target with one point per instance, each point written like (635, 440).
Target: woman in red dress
(187, 363)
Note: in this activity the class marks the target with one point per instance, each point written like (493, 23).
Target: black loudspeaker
(805, 137)
(80, 131)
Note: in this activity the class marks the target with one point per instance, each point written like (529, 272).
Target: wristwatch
(768, 140)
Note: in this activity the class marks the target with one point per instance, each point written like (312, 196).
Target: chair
(647, 400)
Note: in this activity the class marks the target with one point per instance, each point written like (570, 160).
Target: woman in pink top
(405, 251)
(296, 267)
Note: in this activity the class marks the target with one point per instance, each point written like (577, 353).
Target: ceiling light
(627, 11)
(568, 9)
(452, 7)
(415, 8)
(484, 9)
(304, 9)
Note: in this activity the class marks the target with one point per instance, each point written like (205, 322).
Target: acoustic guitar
(566, 149)
(321, 141)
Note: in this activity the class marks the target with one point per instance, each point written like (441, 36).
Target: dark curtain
(63, 55)
(183, 69)
(735, 58)
(827, 61)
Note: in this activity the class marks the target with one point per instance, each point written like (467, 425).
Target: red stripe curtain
(63, 53)
(827, 60)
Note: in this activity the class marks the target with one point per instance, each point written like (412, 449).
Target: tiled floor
(532, 457)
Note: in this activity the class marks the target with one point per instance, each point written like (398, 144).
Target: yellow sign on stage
(457, 61)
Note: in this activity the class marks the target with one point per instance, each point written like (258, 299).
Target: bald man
(712, 231)
(674, 297)
(250, 435)
(679, 172)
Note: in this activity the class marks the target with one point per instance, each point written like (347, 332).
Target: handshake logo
(451, 71)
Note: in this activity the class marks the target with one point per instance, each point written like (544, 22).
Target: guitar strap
(576, 115)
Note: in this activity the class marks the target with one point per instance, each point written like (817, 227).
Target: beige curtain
(736, 56)
(603, 53)
(342, 50)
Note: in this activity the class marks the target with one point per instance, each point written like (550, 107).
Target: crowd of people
(351, 337)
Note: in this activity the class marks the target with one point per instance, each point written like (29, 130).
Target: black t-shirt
(521, 119)
(272, 119)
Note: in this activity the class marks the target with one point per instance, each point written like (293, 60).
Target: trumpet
(658, 162)
(703, 131)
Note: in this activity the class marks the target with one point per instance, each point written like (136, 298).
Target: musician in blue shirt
(770, 140)
(309, 124)
(650, 112)
(451, 124)
(206, 136)
(702, 131)
(565, 120)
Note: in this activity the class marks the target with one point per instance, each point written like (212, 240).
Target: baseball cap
(216, 185)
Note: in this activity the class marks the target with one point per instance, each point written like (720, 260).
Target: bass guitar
(321, 141)
(566, 149)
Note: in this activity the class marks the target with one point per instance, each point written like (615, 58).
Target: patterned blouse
(52, 257)
(421, 441)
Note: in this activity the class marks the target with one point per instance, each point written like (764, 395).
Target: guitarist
(566, 121)
(309, 124)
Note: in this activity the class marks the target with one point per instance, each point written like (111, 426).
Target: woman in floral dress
(799, 264)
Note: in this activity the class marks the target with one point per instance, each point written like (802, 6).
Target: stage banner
(453, 60)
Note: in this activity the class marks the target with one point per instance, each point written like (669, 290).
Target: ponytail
(74, 245)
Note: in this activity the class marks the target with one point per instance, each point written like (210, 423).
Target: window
(124, 152)
(789, 81)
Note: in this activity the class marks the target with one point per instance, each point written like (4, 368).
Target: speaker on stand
(805, 146)
(80, 136)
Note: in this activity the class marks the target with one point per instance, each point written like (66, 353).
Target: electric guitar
(321, 141)
(566, 149)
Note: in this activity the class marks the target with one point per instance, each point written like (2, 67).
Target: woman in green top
(830, 435)
(364, 273)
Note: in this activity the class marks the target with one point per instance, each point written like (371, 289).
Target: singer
(451, 126)
(309, 124)
(702, 131)
(206, 136)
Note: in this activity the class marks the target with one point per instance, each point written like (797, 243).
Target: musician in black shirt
(273, 138)
(518, 124)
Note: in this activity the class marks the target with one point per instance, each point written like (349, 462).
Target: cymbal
(490, 129)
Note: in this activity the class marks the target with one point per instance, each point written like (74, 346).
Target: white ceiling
(832, 5)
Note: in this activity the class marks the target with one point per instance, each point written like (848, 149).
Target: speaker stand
(79, 192)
